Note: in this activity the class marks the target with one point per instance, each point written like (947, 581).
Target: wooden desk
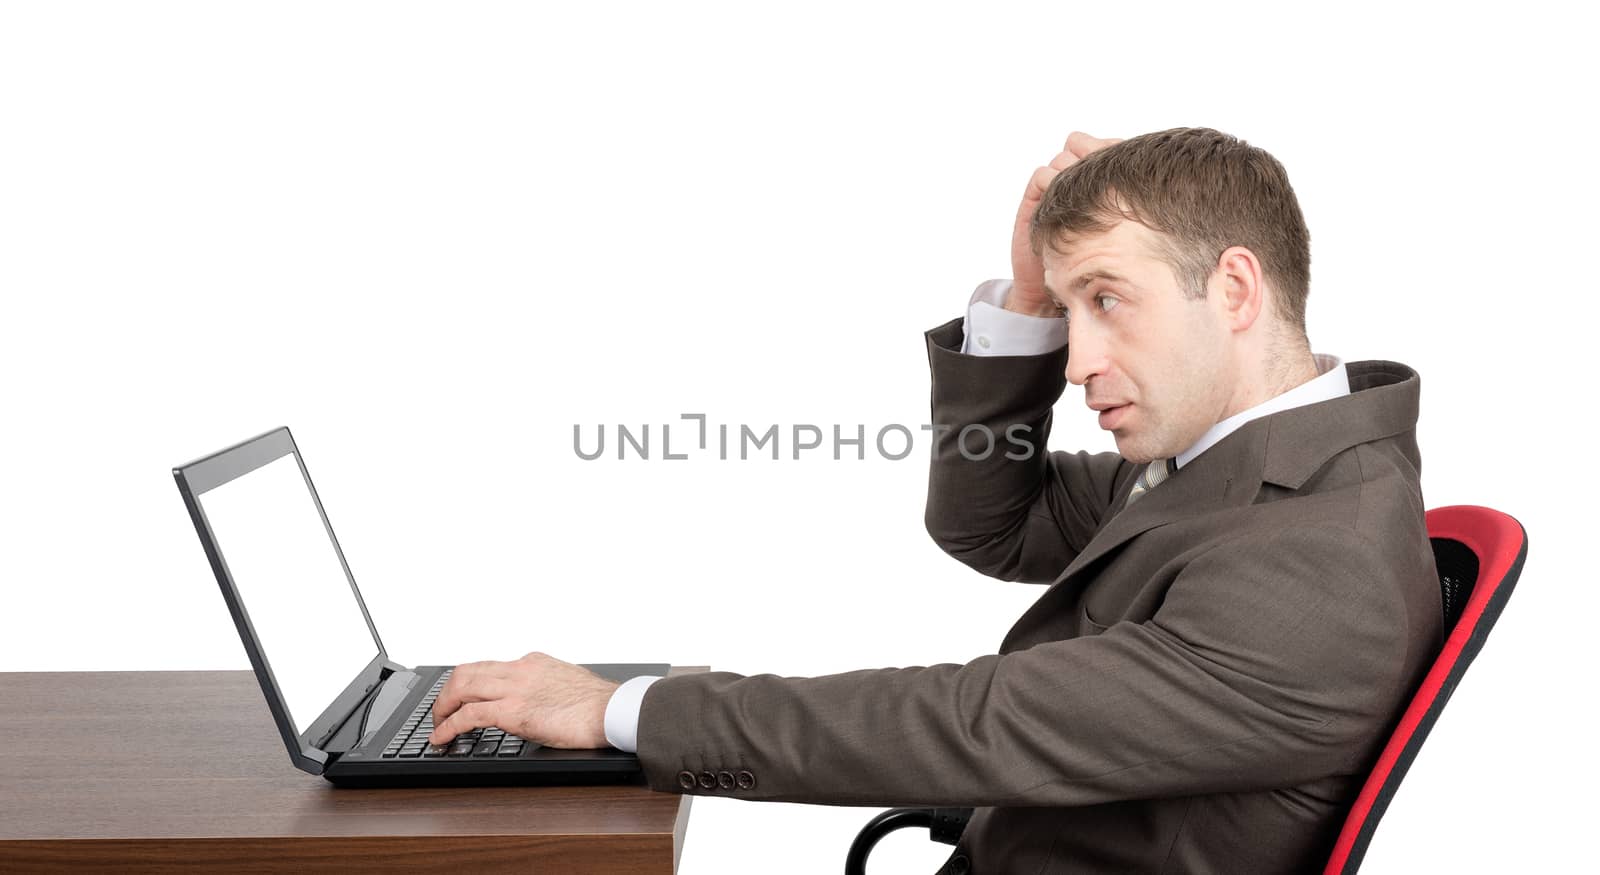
(184, 771)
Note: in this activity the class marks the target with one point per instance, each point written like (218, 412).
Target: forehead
(1126, 252)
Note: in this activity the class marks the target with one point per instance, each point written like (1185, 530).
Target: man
(1240, 601)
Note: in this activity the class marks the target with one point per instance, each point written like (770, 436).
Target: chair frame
(1500, 544)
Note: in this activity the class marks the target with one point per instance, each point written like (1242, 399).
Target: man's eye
(1104, 309)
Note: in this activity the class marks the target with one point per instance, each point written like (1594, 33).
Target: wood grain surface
(175, 771)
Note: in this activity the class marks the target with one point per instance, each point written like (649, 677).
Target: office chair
(1479, 552)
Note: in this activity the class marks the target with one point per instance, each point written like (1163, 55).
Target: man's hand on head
(1028, 294)
(537, 697)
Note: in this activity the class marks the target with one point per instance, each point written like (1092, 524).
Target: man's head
(1182, 262)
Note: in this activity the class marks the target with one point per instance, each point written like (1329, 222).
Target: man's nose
(1086, 355)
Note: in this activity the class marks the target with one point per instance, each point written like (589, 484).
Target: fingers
(475, 682)
(1081, 144)
(471, 716)
(1037, 183)
(1077, 147)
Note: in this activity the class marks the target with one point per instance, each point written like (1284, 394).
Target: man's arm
(991, 329)
(998, 500)
(1273, 660)
(1017, 511)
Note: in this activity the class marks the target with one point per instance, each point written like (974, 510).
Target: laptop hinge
(373, 711)
(360, 707)
(337, 739)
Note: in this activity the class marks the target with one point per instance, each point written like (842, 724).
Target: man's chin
(1126, 448)
(1135, 455)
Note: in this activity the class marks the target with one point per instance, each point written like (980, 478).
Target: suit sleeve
(1275, 659)
(998, 500)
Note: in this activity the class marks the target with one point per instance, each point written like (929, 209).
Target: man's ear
(1243, 293)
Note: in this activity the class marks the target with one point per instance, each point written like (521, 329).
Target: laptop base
(365, 766)
(496, 778)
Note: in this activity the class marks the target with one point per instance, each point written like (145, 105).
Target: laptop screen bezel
(196, 478)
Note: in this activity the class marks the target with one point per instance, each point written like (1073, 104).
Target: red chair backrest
(1479, 552)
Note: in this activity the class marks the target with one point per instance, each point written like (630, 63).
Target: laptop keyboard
(412, 739)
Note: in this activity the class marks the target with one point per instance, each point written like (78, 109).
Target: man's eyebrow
(1091, 276)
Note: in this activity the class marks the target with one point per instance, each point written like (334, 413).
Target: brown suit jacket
(1201, 688)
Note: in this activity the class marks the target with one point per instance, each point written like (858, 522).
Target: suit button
(686, 780)
(745, 780)
(725, 780)
(960, 865)
(708, 780)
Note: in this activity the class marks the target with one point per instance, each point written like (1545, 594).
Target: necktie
(1154, 473)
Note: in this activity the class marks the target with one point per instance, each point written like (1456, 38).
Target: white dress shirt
(990, 329)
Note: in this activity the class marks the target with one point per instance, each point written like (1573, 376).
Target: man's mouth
(1111, 417)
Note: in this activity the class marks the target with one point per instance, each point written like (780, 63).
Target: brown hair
(1202, 191)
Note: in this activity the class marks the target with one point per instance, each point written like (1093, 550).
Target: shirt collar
(1330, 382)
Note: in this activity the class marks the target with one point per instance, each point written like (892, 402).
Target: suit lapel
(1227, 474)
(1283, 448)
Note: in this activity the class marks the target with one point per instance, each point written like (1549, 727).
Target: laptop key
(435, 750)
(460, 750)
(485, 748)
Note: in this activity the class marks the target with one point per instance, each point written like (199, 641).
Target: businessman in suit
(1237, 603)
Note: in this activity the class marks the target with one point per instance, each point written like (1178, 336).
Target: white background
(432, 238)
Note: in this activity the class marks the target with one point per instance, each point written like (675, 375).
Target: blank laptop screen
(307, 621)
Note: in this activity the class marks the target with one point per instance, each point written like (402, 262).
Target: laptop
(345, 710)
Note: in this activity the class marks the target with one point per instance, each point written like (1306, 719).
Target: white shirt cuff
(990, 329)
(622, 713)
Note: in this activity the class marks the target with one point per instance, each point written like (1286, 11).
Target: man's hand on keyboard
(538, 697)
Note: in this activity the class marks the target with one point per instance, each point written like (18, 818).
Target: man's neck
(1301, 369)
